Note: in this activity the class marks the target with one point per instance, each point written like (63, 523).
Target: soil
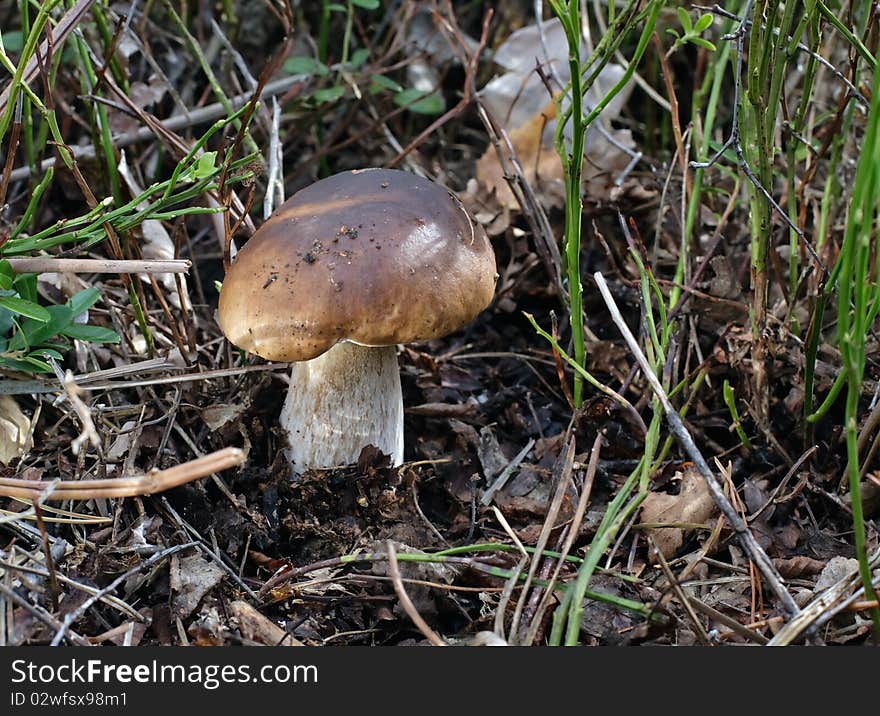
(324, 555)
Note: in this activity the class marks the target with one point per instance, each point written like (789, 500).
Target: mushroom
(341, 273)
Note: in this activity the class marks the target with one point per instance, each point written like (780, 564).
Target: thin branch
(149, 484)
(50, 264)
(406, 602)
(746, 538)
(71, 617)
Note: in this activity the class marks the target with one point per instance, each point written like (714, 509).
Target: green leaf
(366, 4)
(81, 302)
(304, 65)
(6, 321)
(358, 57)
(48, 353)
(420, 102)
(204, 167)
(28, 309)
(673, 32)
(36, 364)
(685, 19)
(93, 334)
(335, 7)
(13, 41)
(704, 23)
(26, 285)
(329, 94)
(35, 333)
(380, 82)
(703, 43)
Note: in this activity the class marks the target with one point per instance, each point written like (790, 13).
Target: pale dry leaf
(520, 101)
(192, 577)
(122, 443)
(837, 569)
(693, 505)
(217, 416)
(15, 430)
(491, 456)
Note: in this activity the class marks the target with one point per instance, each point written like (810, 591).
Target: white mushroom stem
(340, 402)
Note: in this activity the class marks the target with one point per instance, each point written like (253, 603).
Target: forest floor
(511, 499)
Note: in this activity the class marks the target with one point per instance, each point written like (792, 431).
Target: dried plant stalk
(50, 264)
(149, 484)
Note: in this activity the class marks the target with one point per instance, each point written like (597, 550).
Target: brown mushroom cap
(373, 256)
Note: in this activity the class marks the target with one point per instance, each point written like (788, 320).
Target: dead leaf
(838, 568)
(521, 103)
(541, 165)
(192, 578)
(217, 416)
(491, 457)
(691, 506)
(122, 444)
(126, 634)
(801, 566)
(15, 430)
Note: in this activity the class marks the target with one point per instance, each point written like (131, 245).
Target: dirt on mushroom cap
(375, 256)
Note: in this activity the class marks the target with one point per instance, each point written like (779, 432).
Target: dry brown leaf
(15, 430)
(692, 505)
(541, 165)
(126, 634)
(800, 566)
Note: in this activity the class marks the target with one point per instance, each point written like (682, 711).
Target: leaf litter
(281, 559)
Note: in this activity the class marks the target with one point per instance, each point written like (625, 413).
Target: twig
(25, 387)
(468, 93)
(405, 601)
(746, 538)
(502, 479)
(824, 606)
(47, 552)
(573, 532)
(74, 393)
(729, 622)
(853, 90)
(274, 173)
(679, 592)
(59, 33)
(41, 614)
(149, 484)
(202, 115)
(81, 609)
(562, 477)
(50, 264)
(111, 601)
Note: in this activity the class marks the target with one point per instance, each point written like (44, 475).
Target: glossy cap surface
(373, 256)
